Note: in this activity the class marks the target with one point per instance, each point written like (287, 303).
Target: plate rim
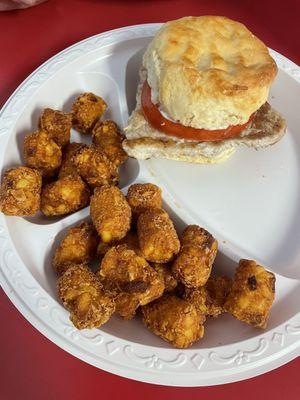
(17, 282)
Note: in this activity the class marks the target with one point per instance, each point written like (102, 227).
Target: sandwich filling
(155, 118)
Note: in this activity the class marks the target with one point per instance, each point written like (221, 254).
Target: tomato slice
(159, 122)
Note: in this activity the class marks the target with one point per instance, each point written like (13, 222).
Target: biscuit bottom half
(144, 142)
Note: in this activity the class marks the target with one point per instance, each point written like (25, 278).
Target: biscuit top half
(208, 72)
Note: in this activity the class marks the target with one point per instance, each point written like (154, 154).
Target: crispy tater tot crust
(126, 271)
(131, 240)
(252, 294)
(64, 196)
(157, 236)
(110, 213)
(126, 304)
(82, 294)
(67, 166)
(198, 250)
(198, 297)
(142, 196)
(132, 280)
(94, 167)
(86, 111)
(77, 247)
(42, 153)
(174, 320)
(210, 299)
(102, 249)
(164, 271)
(20, 192)
(57, 124)
(106, 136)
(218, 289)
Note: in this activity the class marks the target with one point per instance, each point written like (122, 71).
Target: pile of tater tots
(58, 177)
(142, 266)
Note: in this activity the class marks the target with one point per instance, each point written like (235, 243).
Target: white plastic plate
(250, 204)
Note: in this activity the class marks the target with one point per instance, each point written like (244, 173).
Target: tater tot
(64, 196)
(77, 247)
(164, 271)
(210, 299)
(126, 304)
(110, 213)
(102, 249)
(81, 293)
(94, 167)
(198, 297)
(218, 289)
(86, 110)
(57, 124)
(174, 320)
(142, 196)
(42, 153)
(123, 271)
(20, 192)
(252, 294)
(131, 240)
(68, 167)
(198, 251)
(157, 236)
(107, 137)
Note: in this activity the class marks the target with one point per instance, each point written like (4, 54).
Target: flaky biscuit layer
(208, 72)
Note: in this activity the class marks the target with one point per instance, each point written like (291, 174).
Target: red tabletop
(32, 367)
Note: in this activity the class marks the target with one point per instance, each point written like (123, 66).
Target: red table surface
(32, 367)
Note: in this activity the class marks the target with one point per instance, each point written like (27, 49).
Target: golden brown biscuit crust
(223, 72)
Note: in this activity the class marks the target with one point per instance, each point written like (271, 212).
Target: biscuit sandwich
(203, 91)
